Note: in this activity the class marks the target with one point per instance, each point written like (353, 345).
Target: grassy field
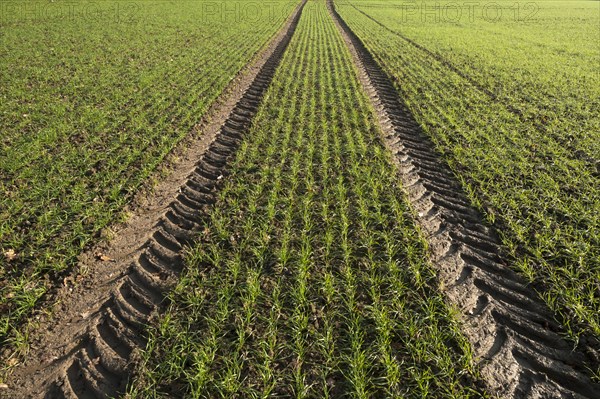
(510, 95)
(309, 276)
(91, 101)
(310, 279)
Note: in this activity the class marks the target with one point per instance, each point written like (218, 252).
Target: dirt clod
(10, 255)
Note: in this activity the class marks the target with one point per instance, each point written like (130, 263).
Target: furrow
(520, 347)
(100, 367)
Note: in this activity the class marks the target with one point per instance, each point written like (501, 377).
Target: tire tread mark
(101, 366)
(503, 318)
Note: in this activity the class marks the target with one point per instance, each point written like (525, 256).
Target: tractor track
(518, 346)
(92, 352)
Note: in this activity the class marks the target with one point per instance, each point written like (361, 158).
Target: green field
(311, 279)
(314, 273)
(513, 106)
(90, 105)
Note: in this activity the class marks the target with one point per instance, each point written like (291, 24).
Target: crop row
(531, 166)
(310, 278)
